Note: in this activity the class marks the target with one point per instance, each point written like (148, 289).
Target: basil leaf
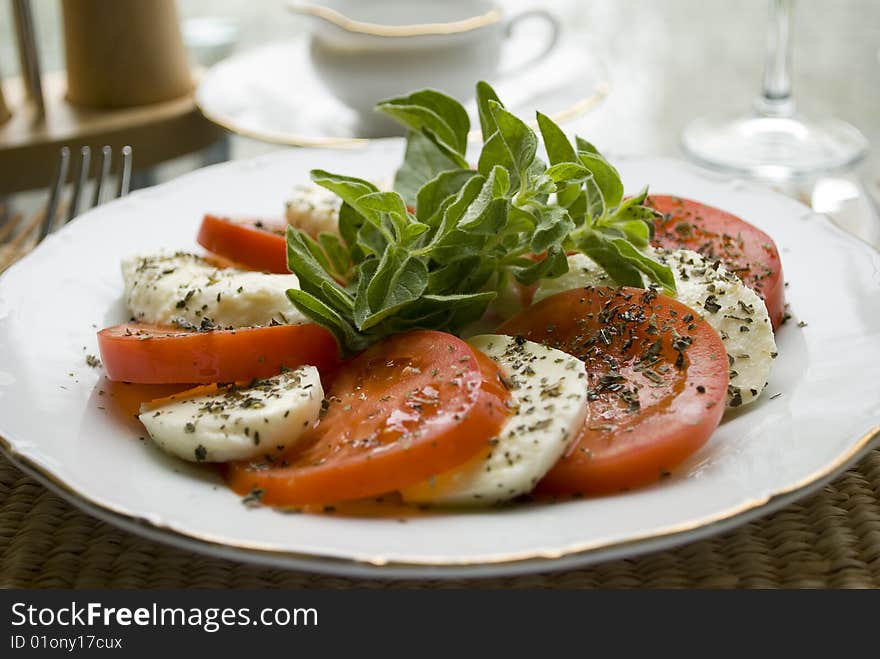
(433, 193)
(434, 111)
(558, 147)
(422, 162)
(657, 272)
(519, 139)
(606, 177)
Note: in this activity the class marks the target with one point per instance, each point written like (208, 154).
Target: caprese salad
(482, 331)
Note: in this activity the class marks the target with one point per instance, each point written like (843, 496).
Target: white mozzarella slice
(313, 209)
(187, 290)
(234, 423)
(716, 295)
(549, 398)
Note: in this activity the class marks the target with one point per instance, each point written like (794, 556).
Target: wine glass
(775, 141)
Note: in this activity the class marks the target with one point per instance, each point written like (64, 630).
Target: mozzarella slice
(549, 397)
(716, 295)
(313, 209)
(186, 290)
(265, 418)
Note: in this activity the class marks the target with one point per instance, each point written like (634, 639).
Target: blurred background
(667, 62)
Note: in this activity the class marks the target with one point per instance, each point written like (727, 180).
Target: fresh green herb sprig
(434, 252)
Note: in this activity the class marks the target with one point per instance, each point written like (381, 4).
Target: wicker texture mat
(831, 539)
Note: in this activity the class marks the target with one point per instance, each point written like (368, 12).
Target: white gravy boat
(369, 50)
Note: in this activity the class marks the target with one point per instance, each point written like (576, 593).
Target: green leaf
(606, 177)
(433, 193)
(473, 217)
(348, 188)
(558, 147)
(340, 300)
(485, 93)
(496, 154)
(337, 254)
(350, 222)
(422, 162)
(371, 241)
(390, 204)
(606, 254)
(657, 272)
(554, 264)
(519, 139)
(584, 146)
(637, 232)
(412, 231)
(468, 274)
(456, 209)
(313, 308)
(434, 111)
(553, 226)
(565, 173)
(594, 202)
(398, 279)
(301, 260)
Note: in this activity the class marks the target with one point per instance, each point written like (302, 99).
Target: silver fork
(102, 177)
(16, 233)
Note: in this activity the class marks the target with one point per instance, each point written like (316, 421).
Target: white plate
(272, 94)
(52, 302)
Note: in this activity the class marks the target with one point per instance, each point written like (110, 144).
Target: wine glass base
(774, 147)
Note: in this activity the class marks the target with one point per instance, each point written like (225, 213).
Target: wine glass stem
(776, 99)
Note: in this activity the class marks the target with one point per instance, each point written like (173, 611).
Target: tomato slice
(412, 406)
(153, 354)
(743, 248)
(254, 244)
(656, 379)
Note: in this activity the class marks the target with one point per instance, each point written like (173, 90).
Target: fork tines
(102, 181)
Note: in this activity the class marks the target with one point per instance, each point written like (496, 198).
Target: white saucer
(272, 94)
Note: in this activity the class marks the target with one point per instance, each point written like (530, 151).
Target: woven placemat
(831, 539)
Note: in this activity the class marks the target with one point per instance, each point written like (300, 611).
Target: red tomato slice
(743, 248)
(152, 354)
(254, 244)
(410, 407)
(656, 379)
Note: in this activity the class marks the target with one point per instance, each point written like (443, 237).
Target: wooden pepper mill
(122, 53)
(4, 109)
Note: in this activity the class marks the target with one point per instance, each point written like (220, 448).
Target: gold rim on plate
(267, 552)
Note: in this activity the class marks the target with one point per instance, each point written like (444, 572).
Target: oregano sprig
(434, 252)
